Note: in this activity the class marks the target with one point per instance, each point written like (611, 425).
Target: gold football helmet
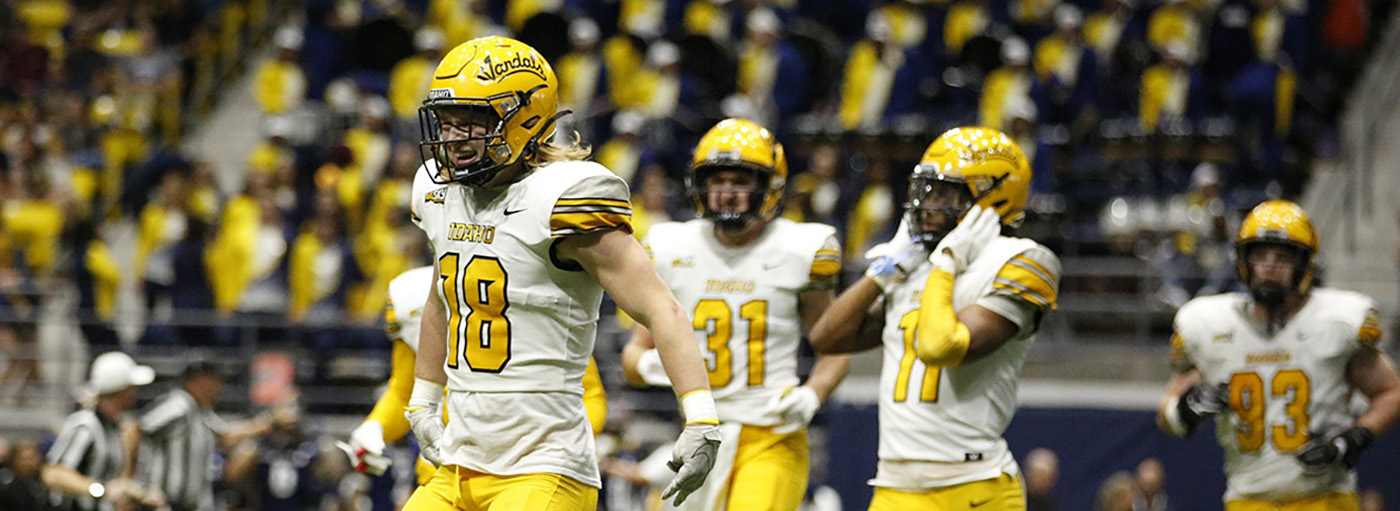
(497, 83)
(738, 144)
(963, 167)
(1284, 223)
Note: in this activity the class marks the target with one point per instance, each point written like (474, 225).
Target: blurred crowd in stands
(1150, 123)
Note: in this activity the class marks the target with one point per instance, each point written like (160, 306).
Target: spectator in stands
(1174, 23)
(1033, 19)
(88, 460)
(1150, 495)
(582, 79)
(1171, 90)
(279, 84)
(623, 58)
(907, 22)
(1116, 493)
(772, 73)
(322, 271)
(1068, 70)
(246, 261)
(879, 80)
(20, 486)
(408, 81)
(96, 273)
(1009, 84)
(626, 152)
(966, 19)
(162, 222)
(1116, 24)
(817, 191)
(368, 141)
(875, 210)
(663, 83)
(1042, 472)
(651, 201)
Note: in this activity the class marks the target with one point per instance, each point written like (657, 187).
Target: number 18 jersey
(1282, 384)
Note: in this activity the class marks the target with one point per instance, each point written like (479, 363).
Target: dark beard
(1269, 296)
(732, 222)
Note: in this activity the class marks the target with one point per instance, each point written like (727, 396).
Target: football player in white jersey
(752, 283)
(957, 306)
(1277, 368)
(386, 422)
(527, 236)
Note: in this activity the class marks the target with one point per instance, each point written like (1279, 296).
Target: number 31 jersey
(743, 304)
(1281, 385)
(518, 318)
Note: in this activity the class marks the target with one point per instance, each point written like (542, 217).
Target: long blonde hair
(550, 152)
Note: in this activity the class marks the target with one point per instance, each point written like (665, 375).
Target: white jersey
(404, 312)
(743, 303)
(942, 426)
(521, 323)
(1282, 384)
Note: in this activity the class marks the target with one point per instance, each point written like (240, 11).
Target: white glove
(649, 365)
(795, 408)
(962, 245)
(366, 448)
(897, 243)
(425, 419)
(891, 261)
(692, 458)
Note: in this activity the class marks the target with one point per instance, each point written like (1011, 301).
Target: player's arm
(852, 322)
(812, 302)
(1189, 399)
(623, 269)
(1025, 288)
(424, 410)
(388, 411)
(1373, 373)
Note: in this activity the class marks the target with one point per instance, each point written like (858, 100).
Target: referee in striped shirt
(87, 464)
(180, 433)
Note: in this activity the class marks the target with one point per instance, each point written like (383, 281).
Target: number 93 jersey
(1281, 384)
(518, 318)
(743, 303)
(941, 426)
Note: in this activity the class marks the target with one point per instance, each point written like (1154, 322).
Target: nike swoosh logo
(769, 266)
(509, 212)
(979, 504)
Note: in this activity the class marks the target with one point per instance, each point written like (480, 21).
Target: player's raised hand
(974, 232)
(891, 261)
(692, 458)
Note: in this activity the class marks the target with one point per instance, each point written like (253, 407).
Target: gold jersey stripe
(1030, 279)
(825, 268)
(576, 223)
(1370, 333)
(615, 203)
(1033, 265)
(1021, 291)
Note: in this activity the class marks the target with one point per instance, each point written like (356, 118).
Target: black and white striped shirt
(178, 443)
(92, 445)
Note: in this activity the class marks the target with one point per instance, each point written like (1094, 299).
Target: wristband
(426, 394)
(698, 407)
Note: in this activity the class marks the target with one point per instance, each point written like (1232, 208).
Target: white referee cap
(114, 371)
